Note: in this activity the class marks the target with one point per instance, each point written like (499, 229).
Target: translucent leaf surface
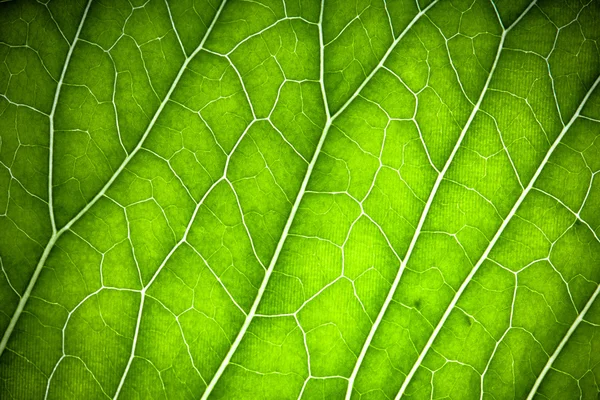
(285, 199)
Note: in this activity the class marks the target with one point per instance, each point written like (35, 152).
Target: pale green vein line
(563, 343)
(102, 192)
(135, 338)
(51, 117)
(175, 28)
(322, 60)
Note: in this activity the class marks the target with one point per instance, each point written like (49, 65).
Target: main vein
(57, 234)
(425, 211)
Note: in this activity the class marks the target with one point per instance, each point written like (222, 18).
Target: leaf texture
(285, 199)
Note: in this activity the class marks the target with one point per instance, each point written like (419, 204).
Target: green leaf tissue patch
(300, 199)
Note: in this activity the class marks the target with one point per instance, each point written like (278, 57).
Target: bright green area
(282, 199)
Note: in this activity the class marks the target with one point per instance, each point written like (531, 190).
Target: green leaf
(282, 199)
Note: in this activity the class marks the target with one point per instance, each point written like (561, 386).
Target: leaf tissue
(300, 199)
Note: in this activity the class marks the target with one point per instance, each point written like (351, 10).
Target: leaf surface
(282, 199)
